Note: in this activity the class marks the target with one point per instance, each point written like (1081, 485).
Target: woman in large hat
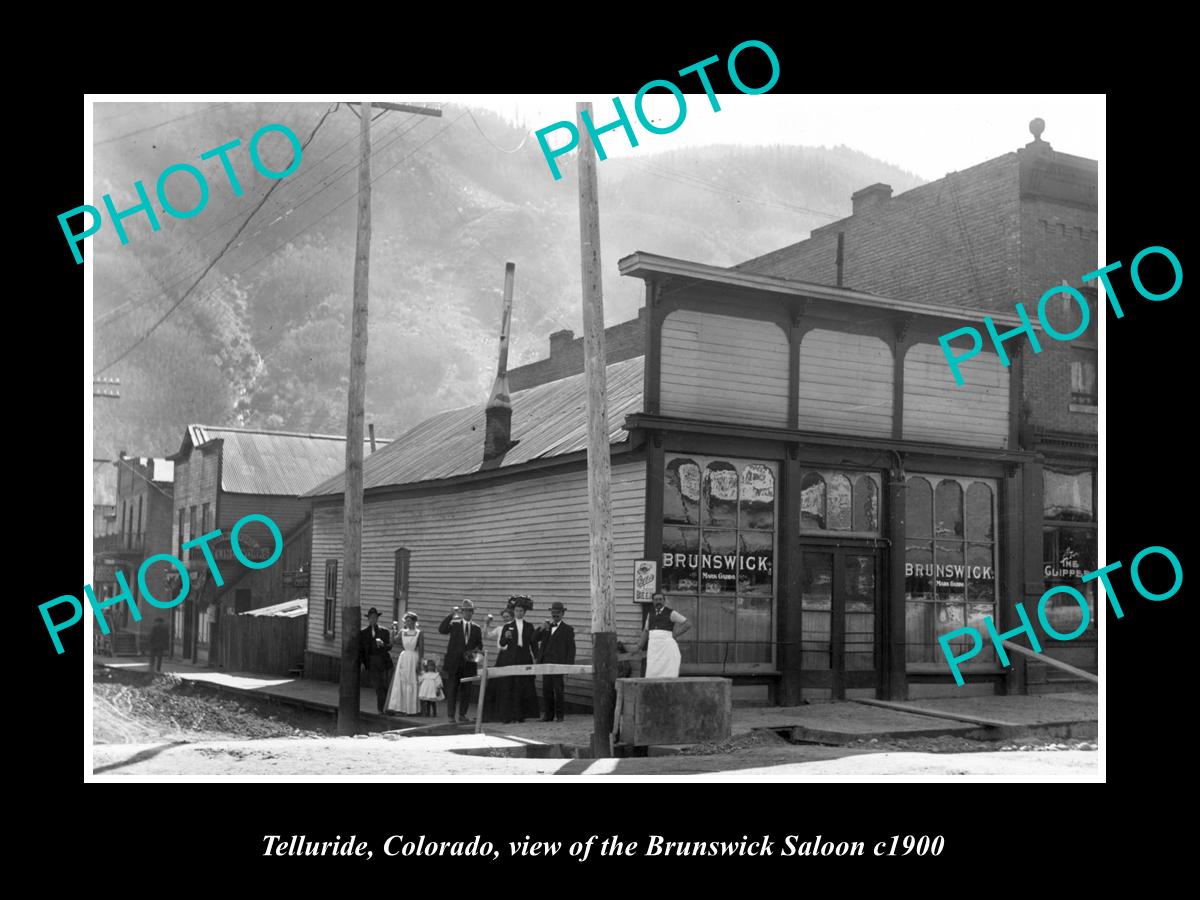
(517, 696)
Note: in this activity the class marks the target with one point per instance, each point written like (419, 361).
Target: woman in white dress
(402, 696)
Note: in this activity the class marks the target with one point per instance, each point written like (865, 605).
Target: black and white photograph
(704, 433)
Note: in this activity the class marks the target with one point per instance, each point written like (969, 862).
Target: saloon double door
(841, 616)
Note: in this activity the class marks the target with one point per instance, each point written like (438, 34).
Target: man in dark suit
(158, 644)
(556, 644)
(373, 646)
(465, 638)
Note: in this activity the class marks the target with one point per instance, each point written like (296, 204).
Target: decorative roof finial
(1036, 127)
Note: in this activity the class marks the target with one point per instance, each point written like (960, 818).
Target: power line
(493, 143)
(280, 246)
(194, 112)
(209, 267)
(129, 306)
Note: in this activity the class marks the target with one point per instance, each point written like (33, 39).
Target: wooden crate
(673, 710)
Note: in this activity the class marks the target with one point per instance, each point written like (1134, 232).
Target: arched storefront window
(718, 567)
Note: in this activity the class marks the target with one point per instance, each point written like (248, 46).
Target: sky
(929, 135)
(926, 134)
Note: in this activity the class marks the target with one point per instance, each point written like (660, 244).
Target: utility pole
(348, 686)
(348, 691)
(604, 627)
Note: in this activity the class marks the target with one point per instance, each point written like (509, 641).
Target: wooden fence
(270, 645)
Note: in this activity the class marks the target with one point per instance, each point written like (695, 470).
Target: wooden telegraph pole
(348, 687)
(604, 627)
(348, 692)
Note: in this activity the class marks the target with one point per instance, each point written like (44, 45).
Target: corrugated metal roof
(547, 420)
(274, 462)
(288, 609)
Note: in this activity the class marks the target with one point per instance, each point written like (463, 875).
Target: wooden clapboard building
(790, 450)
(223, 474)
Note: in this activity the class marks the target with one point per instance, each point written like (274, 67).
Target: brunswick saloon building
(789, 449)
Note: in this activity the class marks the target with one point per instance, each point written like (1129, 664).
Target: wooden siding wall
(270, 645)
(487, 541)
(286, 512)
(936, 409)
(721, 367)
(845, 383)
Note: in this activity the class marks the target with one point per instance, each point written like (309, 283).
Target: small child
(430, 690)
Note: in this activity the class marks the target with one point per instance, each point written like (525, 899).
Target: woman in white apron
(663, 626)
(402, 697)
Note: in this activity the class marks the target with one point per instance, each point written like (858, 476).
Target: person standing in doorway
(556, 644)
(663, 626)
(158, 644)
(466, 639)
(374, 644)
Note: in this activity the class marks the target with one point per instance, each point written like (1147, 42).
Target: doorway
(841, 617)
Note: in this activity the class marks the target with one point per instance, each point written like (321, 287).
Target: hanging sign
(645, 580)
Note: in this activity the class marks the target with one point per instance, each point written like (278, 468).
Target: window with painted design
(719, 520)
(1068, 552)
(949, 566)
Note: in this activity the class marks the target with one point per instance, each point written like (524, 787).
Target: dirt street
(435, 758)
(161, 726)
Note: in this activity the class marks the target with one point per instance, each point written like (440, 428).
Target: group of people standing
(411, 685)
(402, 686)
(416, 681)
(518, 642)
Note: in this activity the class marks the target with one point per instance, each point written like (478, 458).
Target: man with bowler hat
(556, 644)
(466, 639)
(373, 646)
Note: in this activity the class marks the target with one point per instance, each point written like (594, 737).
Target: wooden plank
(532, 669)
(1051, 661)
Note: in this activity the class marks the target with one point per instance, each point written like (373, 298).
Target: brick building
(221, 475)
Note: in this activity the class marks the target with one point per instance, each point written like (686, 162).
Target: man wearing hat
(466, 639)
(556, 644)
(373, 646)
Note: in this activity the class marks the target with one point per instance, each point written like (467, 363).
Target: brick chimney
(560, 341)
(497, 437)
(875, 195)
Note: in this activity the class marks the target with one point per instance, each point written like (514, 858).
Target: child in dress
(430, 689)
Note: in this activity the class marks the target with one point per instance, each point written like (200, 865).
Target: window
(839, 501)
(139, 515)
(206, 521)
(182, 539)
(1083, 386)
(400, 585)
(719, 557)
(192, 532)
(949, 564)
(1069, 551)
(331, 568)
